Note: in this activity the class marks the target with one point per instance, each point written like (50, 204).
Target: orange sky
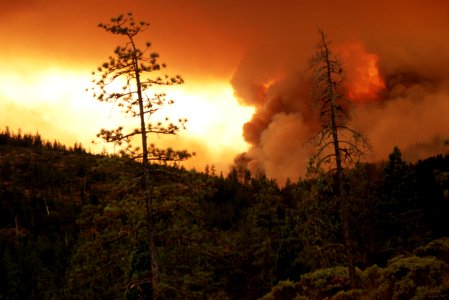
(227, 52)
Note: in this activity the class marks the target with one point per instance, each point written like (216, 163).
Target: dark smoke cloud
(410, 111)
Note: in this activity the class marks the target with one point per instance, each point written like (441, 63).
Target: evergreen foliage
(136, 71)
(72, 227)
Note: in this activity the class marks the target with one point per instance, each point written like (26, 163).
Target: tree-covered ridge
(72, 226)
(10, 138)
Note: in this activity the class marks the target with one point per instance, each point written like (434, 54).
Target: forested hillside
(72, 226)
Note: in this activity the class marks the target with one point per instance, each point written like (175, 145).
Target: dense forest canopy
(72, 227)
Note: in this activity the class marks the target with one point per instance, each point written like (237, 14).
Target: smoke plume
(400, 96)
(395, 54)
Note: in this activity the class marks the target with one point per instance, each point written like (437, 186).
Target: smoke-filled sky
(245, 64)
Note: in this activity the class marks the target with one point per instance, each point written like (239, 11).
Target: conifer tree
(130, 67)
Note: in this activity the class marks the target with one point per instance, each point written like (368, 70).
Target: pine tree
(130, 67)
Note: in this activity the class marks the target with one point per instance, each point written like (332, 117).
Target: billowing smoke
(397, 101)
(395, 53)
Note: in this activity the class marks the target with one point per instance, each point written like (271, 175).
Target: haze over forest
(245, 65)
(276, 203)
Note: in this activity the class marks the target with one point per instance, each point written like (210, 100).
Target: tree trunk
(345, 216)
(147, 183)
(341, 194)
(16, 220)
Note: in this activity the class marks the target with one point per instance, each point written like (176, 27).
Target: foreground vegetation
(72, 226)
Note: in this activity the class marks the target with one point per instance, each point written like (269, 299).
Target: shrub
(283, 290)
(355, 294)
(324, 283)
(438, 248)
(403, 275)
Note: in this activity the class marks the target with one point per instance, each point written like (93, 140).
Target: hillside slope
(72, 227)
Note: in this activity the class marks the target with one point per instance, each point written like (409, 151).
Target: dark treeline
(72, 226)
(35, 141)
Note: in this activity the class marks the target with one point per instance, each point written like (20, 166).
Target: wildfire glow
(214, 115)
(364, 82)
(59, 108)
(259, 57)
(54, 101)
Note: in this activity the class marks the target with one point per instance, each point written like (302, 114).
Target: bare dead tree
(338, 145)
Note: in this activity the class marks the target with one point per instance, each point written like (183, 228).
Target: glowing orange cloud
(364, 82)
(256, 59)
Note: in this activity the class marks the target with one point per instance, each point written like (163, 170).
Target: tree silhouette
(130, 67)
(338, 145)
